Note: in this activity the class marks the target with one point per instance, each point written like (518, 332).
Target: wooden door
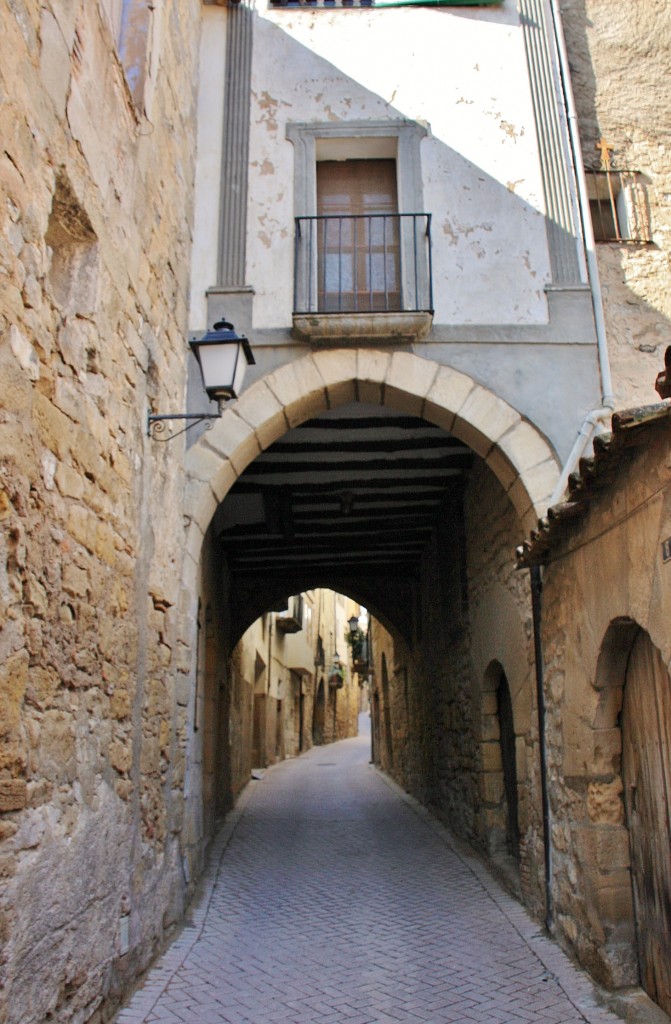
(646, 757)
(358, 236)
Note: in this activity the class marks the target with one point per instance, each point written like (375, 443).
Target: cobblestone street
(335, 899)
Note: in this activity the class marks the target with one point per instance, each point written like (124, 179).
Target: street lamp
(223, 357)
(353, 623)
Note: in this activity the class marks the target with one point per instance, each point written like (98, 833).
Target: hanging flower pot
(336, 677)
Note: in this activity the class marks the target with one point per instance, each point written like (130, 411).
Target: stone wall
(606, 580)
(620, 57)
(435, 710)
(94, 254)
(502, 642)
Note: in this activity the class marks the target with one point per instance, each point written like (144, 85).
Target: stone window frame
(359, 139)
(321, 140)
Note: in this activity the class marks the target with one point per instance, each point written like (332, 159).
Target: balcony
(290, 619)
(363, 277)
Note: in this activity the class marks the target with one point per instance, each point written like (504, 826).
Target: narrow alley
(334, 898)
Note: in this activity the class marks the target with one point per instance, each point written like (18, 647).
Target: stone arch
(516, 452)
(499, 779)
(609, 901)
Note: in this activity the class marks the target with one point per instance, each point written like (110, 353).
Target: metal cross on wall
(605, 149)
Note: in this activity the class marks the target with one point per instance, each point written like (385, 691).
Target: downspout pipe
(597, 416)
(536, 613)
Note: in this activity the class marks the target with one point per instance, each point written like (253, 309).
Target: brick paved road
(335, 899)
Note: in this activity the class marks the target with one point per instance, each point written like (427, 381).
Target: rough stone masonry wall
(620, 57)
(435, 721)
(605, 578)
(94, 254)
(501, 637)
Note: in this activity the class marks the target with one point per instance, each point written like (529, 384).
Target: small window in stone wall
(618, 204)
(73, 274)
(134, 35)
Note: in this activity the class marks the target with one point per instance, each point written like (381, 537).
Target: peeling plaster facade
(512, 305)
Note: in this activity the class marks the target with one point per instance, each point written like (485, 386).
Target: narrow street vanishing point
(334, 898)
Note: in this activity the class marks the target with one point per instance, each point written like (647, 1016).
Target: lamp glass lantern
(353, 623)
(223, 357)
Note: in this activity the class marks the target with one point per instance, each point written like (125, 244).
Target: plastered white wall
(461, 72)
(208, 161)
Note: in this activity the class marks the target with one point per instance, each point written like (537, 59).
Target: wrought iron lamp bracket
(157, 426)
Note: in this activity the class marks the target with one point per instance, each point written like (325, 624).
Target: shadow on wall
(490, 252)
(618, 62)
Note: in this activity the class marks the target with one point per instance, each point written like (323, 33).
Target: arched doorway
(319, 715)
(290, 459)
(499, 778)
(646, 771)
(509, 762)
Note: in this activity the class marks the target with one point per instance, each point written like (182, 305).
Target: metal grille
(619, 206)
(363, 263)
(330, 4)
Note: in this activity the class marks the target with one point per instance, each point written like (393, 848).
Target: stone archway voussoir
(446, 396)
(502, 468)
(337, 368)
(234, 439)
(300, 390)
(200, 503)
(259, 407)
(409, 380)
(483, 419)
(539, 482)
(525, 447)
(371, 372)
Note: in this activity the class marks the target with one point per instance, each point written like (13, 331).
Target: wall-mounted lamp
(353, 623)
(223, 356)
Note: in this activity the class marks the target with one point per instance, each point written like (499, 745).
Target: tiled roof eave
(628, 430)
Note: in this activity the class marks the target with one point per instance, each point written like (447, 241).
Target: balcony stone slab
(360, 328)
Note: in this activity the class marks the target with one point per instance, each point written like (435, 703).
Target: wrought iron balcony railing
(363, 263)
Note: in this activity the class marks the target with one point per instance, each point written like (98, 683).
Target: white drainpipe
(597, 416)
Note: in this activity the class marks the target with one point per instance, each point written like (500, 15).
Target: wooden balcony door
(358, 249)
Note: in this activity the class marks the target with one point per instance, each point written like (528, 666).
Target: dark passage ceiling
(357, 490)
